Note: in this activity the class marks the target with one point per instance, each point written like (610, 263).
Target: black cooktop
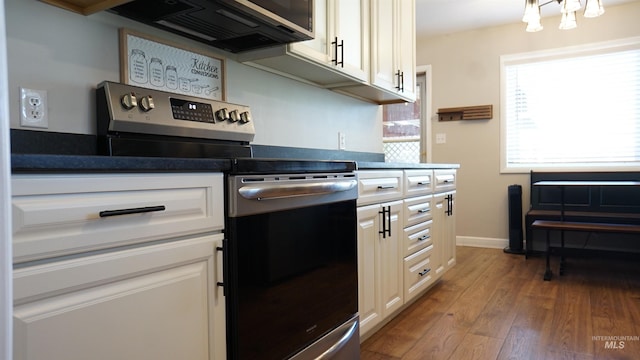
(239, 153)
(289, 166)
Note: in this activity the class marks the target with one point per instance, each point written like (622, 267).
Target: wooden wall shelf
(85, 7)
(481, 112)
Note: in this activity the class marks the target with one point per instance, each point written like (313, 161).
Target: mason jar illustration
(172, 77)
(156, 72)
(185, 84)
(138, 71)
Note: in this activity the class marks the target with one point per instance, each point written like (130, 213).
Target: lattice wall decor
(402, 151)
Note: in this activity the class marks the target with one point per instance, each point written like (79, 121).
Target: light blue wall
(69, 54)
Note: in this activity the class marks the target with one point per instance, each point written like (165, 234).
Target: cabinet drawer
(445, 179)
(417, 237)
(163, 295)
(417, 210)
(418, 182)
(57, 215)
(379, 186)
(418, 274)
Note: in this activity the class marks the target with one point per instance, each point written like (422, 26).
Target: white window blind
(578, 108)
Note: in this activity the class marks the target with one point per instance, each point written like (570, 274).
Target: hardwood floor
(493, 305)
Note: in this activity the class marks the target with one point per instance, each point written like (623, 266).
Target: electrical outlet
(33, 108)
(441, 138)
(342, 141)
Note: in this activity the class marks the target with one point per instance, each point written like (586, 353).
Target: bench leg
(562, 260)
(547, 272)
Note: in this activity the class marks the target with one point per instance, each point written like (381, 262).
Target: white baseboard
(482, 242)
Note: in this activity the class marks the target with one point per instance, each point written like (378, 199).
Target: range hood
(231, 25)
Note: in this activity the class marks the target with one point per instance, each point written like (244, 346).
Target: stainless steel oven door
(292, 266)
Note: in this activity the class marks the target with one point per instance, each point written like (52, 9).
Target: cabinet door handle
(398, 76)
(402, 81)
(140, 210)
(386, 216)
(424, 272)
(384, 222)
(225, 264)
(389, 218)
(335, 47)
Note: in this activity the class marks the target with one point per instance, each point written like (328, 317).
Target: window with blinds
(572, 109)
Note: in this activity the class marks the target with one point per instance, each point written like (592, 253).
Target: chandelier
(568, 9)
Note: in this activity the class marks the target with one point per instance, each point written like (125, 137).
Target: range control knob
(129, 101)
(222, 114)
(245, 117)
(234, 116)
(146, 103)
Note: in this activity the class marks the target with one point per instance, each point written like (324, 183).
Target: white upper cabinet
(349, 22)
(407, 48)
(362, 48)
(383, 42)
(393, 47)
(337, 56)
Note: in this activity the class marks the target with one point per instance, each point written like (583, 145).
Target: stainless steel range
(290, 253)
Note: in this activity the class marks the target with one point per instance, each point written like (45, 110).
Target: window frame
(632, 43)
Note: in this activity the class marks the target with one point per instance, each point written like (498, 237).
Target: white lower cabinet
(154, 302)
(380, 266)
(126, 299)
(446, 228)
(400, 263)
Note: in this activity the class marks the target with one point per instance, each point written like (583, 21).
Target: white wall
(466, 71)
(69, 54)
(5, 208)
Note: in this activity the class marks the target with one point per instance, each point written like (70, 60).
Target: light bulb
(568, 21)
(593, 8)
(531, 11)
(570, 6)
(534, 25)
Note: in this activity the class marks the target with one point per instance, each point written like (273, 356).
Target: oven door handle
(266, 192)
(328, 354)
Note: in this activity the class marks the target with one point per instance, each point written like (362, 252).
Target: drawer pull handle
(384, 187)
(140, 210)
(424, 272)
(423, 237)
(424, 183)
(422, 211)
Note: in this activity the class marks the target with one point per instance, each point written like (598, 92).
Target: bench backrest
(617, 199)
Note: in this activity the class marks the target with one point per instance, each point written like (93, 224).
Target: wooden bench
(549, 225)
(587, 203)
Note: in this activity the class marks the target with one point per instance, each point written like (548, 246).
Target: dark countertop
(41, 151)
(368, 165)
(39, 163)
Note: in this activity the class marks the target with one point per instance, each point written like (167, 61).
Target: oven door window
(296, 277)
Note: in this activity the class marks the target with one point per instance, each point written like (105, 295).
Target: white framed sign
(156, 64)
